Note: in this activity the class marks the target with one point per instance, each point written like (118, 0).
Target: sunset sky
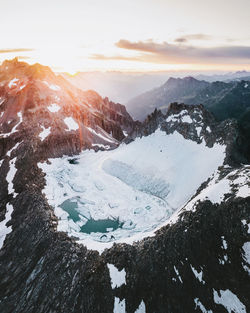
(138, 35)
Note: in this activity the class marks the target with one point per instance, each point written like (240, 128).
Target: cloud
(15, 50)
(113, 57)
(167, 53)
(187, 38)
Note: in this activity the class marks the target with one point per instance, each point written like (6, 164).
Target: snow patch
(52, 86)
(99, 145)
(2, 100)
(119, 306)
(71, 123)
(244, 191)
(186, 119)
(244, 222)
(197, 274)
(10, 176)
(178, 275)
(54, 107)
(106, 137)
(201, 306)
(198, 129)
(229, 300)
(183, 117)
(208, 129)
(224, 243)
(118, 278)
(19, 114)
(217, 188)
(4, 230)
(13, 82)
(246, 249)
(21, 87)
(12, 149)
(45, 133)
(141, 308)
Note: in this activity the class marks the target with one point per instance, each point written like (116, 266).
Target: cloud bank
(181, 52)
(15, 50)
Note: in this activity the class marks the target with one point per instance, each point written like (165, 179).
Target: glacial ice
(129, 192)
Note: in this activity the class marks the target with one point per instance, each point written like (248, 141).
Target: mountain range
(101, 213)
(123, 86)
(223, 99)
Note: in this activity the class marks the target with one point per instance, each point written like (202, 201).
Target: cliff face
(195, 262)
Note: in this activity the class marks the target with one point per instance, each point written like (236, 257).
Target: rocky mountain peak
(44, 109)
(23, 69)
(175, 82)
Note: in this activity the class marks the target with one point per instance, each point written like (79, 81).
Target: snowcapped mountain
(99, 213)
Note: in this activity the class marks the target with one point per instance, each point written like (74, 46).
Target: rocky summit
(99, 213)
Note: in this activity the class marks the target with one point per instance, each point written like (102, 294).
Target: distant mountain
(225, 100)
(246, 78)
(239, 75)
(174, 90)
(229, 100)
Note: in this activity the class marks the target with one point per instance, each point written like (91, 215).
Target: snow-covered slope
(138, 185)
(224, 184)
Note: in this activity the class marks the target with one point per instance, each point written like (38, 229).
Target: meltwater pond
(127, 193)
(101, 226)
(91, 225)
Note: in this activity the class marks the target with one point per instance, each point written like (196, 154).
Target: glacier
(132, 190)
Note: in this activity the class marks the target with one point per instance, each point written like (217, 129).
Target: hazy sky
(137, 35)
